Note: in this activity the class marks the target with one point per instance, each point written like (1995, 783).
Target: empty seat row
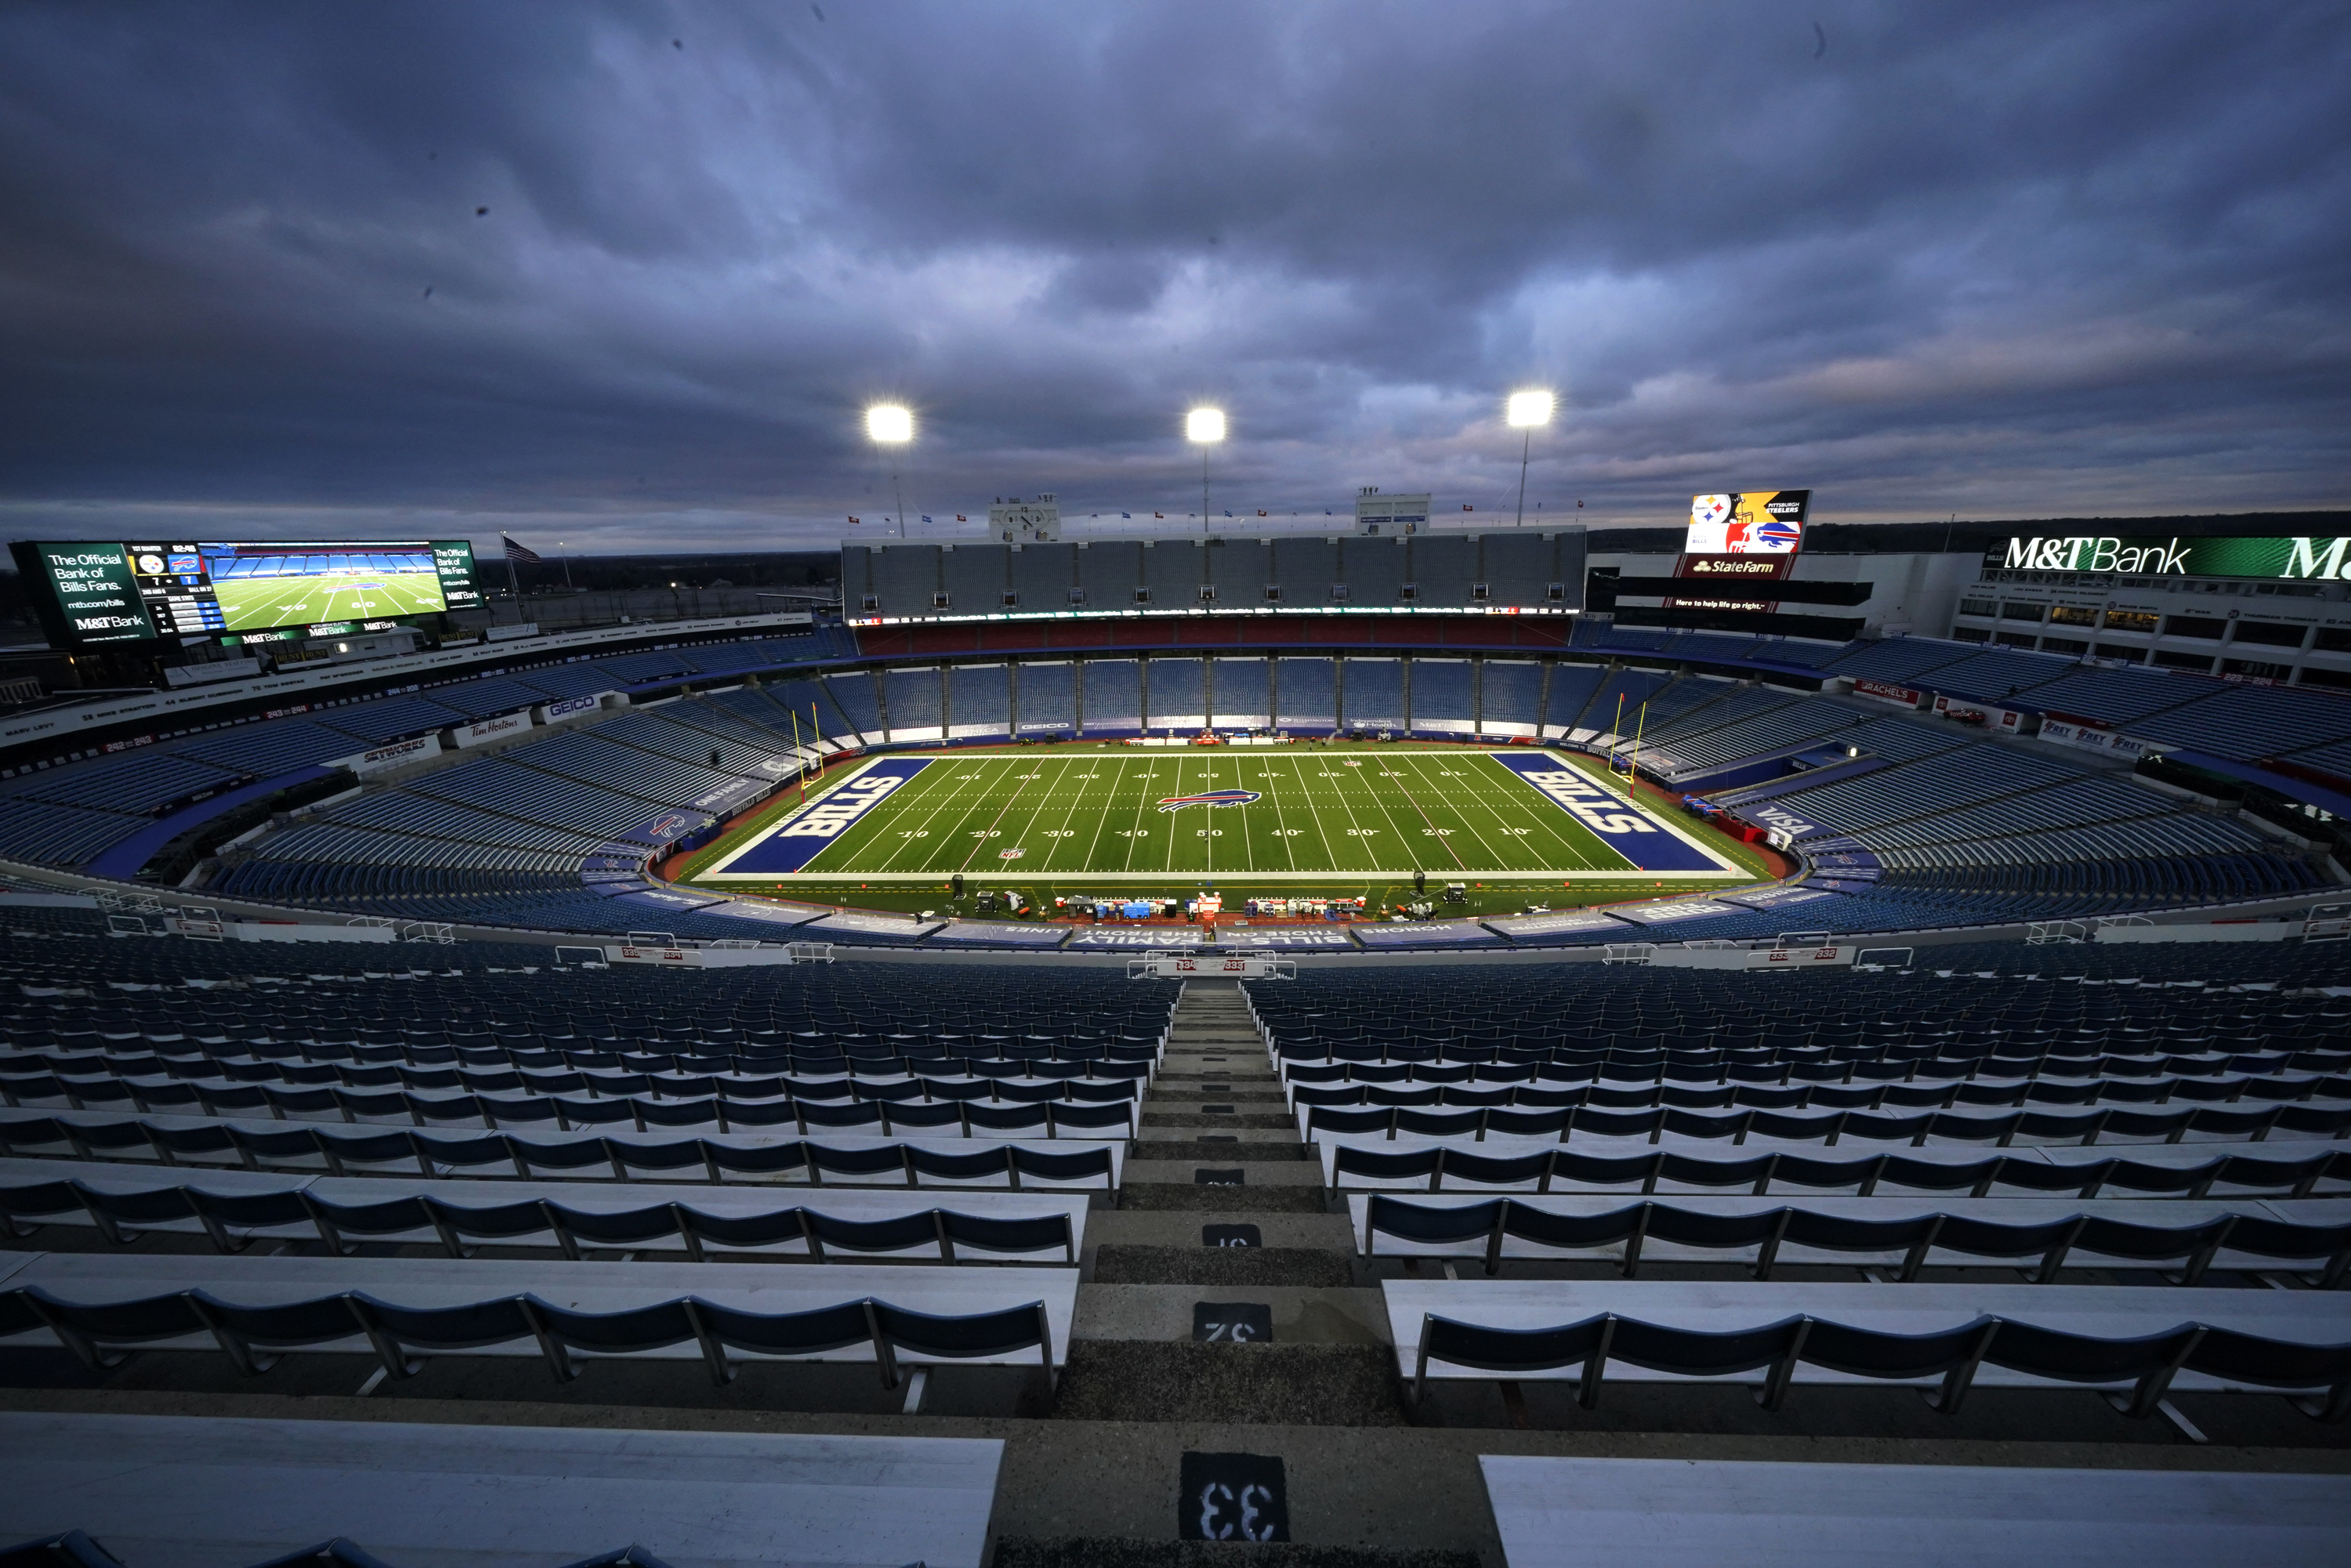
(258, 1145)
(1917, 1127)
(1899, 1235)
(2071, 1173)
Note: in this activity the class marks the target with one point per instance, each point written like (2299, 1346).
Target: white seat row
(865, 1205)
(431, 1282)
(2325, 1218)
(1674, 1513)
(2183, 1156)
(155, 1490)
(2298, 1317)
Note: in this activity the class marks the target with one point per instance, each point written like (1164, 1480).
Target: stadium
(1417, 1077)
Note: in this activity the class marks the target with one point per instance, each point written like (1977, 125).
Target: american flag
(518, 553)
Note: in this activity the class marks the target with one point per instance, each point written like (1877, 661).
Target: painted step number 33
(1227, 1517)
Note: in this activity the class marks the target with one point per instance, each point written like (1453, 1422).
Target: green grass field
(1094, 818)
(250, 604)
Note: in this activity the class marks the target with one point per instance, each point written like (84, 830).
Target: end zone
(1648, 841)
(803, 832)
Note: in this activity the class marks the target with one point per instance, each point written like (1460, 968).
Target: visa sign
(2288, 558)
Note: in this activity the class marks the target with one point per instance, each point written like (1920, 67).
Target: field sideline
(1296, 816)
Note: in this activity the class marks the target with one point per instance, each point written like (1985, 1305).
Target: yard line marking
(1459, 863)
(1101, 818)
(1330, 851)
(1280, 814)
(1382, 794)
(962, 804)
(945, 801)
(1494, 807)
(1340, 794)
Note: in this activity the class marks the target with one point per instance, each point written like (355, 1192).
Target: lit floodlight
(1528, 409)
(887, 422)
(1205, 424)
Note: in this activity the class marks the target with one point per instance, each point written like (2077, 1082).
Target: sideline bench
(158, 1489)
(1672, 1513)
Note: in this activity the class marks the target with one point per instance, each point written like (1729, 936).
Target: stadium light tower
(892, 424)
(1525, 411)
(1205, 427)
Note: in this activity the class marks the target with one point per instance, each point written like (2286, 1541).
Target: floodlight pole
(1203, 486)
(1525, 446)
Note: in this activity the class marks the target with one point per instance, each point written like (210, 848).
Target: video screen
(256, 586)
(111, 592)
(1748, 522)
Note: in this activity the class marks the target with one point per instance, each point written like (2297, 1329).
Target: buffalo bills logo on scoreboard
(805, 834)
(1210, 798)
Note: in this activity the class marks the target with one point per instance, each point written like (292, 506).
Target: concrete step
(1248, 1143)
(1218, 1091)
(1328, 1232)
(1155, 1380)
(1264, 1121)
(1264, 1198)
(1302, 1315)
(1124, 1552)
(1193, 1269)
(1255, 1173)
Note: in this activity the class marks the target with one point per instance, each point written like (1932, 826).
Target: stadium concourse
(391, 1161)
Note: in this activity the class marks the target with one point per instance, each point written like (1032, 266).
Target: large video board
(1748, 522)
(92, 592)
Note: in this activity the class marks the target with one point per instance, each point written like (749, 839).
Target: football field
(250, 603)
(1295, 815)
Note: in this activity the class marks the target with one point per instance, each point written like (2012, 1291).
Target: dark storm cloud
(629, 273)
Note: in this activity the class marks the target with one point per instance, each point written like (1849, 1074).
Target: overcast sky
(627, 275)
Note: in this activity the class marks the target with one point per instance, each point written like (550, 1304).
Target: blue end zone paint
(800, 838)
(1622, 828)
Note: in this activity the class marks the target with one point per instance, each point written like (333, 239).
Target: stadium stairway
(1220, 1200)
(1226, 1334)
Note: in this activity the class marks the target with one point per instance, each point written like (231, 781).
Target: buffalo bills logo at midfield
(1210, 798)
